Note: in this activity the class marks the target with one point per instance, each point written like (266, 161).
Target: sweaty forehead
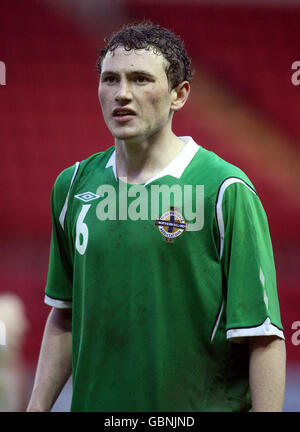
(123, 60)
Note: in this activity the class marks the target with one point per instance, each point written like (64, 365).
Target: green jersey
(165, 281)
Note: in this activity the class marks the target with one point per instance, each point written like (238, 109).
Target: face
(134, 94)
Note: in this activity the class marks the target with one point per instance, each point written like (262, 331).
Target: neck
(138, 161)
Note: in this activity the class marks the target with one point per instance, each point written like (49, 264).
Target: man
(158, 307)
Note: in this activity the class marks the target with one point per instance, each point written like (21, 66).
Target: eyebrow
(133, 72)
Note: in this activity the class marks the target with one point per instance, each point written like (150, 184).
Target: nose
(123, 93)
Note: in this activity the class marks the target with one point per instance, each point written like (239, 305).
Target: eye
(109, 79)
(141, 79)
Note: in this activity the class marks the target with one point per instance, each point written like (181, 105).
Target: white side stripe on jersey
(65, 207)
(219, 210)
(217, 321)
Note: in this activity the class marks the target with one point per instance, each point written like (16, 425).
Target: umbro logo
(87, 196)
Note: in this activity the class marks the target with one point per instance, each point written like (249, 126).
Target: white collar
(176, 167)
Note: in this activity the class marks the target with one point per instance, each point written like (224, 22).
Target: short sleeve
(58, 292)
(252, 306)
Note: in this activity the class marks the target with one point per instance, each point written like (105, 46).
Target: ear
(180, 95)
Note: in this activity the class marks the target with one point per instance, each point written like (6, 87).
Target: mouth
(123, 114)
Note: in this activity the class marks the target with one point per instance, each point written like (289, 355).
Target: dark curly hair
(146, 35)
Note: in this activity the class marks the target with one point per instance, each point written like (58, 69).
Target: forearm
(267, 373)
(55, 361)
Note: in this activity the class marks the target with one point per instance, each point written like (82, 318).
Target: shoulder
(218, 176)
(221, 172)
(232, 184)
(73, 173)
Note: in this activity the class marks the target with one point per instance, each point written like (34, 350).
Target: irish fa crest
(171, 224)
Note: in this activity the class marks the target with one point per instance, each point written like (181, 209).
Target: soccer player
(161, 275)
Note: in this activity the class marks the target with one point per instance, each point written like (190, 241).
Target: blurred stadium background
(244, 106)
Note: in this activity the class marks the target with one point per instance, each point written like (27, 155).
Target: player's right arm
(55, 361)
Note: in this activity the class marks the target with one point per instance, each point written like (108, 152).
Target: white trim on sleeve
(265, 329)
(60, 304)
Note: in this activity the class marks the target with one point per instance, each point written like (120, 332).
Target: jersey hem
(60, 304)
(265, 329)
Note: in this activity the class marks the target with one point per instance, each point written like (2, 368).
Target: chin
(130, 140)
(126, 136)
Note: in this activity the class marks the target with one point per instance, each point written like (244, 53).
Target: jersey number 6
(82, 232)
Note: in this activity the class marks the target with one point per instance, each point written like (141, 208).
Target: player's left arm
(267, 368)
